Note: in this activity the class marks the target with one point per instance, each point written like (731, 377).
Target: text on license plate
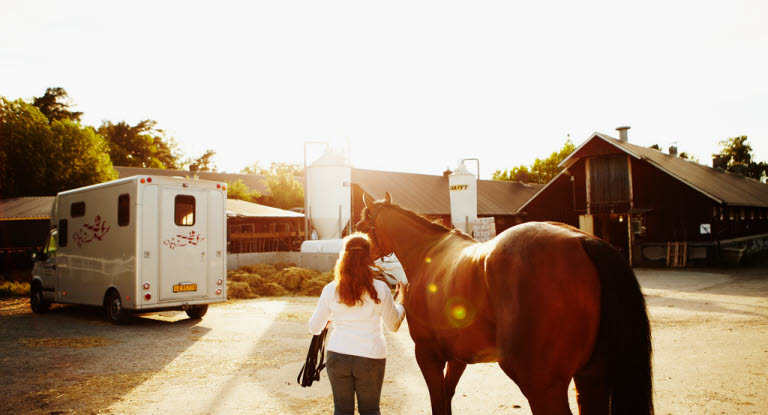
(184, 287)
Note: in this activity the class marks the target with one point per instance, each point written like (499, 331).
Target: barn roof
(243, 209)
(26, 208)
(429, 195)
(253, 181)
(719, 185)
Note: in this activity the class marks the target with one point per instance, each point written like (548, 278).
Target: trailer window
(77, 209)
(63, 231)
(123, 210)
(185, 210)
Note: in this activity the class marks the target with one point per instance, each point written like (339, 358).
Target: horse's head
(368, 223)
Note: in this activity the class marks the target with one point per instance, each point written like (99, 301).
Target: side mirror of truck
(39, 255)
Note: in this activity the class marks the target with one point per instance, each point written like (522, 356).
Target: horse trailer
(135, 245)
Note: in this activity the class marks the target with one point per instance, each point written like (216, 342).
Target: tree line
(735, 153)
(45, 149)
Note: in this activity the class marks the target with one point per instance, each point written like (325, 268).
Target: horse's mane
(433, 226)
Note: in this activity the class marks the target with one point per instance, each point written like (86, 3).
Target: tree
(55, 105)
(204, 162)
(142, 145)
(285, 191)
(274, 169)
(541, 171)
(43, 158)
(238, 190)
(738, 155)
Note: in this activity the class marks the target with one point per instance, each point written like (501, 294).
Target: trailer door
(184, 250)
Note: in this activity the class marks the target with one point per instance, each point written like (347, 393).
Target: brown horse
(546, 301)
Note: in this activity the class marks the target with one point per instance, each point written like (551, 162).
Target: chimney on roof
(673, 151)
(623, 133)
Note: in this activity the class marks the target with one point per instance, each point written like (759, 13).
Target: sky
(409, 86)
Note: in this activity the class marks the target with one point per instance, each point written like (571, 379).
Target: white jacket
(357, 330)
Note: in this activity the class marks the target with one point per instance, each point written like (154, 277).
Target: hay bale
(325, 277)
(265, 270)
(239, 289)
(236, 275)
(253, 280)
(312, 288)
(292, 278)
(283, 265)
(271, 289)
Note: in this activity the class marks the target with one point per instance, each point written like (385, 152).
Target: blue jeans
(355, 375)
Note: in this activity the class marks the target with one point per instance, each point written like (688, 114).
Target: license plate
(184, 288)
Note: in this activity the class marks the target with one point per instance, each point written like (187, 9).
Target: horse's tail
(624, 339)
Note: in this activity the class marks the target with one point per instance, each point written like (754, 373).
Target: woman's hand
(400, 291)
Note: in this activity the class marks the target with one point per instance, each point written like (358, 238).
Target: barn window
(609, 179)
(123, 210)
(184, 213)
(77, 209)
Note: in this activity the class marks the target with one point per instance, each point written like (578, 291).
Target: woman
(357, 304)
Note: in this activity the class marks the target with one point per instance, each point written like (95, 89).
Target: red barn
(656, 208)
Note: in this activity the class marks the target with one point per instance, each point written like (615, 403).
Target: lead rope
(310, 372)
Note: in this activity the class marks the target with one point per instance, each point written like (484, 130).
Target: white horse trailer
(137, 244)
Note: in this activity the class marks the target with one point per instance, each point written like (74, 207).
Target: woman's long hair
(353, 273)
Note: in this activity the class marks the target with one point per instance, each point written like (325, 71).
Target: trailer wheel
(197, 311)
(37, 302)
(113, 308)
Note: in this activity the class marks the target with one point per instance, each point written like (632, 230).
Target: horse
(546, 301)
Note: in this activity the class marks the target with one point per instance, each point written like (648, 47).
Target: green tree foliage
(275, 168)
(55, 105)
(238, 190)
(285, 191)
(141, 145)
(738, 153)
(38, 157)
(204, 162)
(541, 171)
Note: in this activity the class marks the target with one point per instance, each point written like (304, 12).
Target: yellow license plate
(184, 287)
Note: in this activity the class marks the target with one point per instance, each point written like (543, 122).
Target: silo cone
(329, 194)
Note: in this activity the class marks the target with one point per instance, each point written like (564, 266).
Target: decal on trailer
(89, 233)
(181, 240)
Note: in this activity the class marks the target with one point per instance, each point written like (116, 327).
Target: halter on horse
(546, 301)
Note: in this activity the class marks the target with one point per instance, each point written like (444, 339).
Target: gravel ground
(710, 330)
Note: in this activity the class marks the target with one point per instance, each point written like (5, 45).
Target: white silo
(463, 191)
(328, 193)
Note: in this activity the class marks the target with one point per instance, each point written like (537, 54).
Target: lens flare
(432, 287)
(427, 260)
(459, 312)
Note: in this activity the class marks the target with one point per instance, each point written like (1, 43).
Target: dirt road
(710, 331)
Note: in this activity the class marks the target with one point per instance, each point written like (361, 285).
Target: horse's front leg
(452, 375)
(432, 367)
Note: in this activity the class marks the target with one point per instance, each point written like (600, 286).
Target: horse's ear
(368, 200)
(388, 198)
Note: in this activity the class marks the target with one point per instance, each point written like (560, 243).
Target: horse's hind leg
(591, 394)
(550, 401)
